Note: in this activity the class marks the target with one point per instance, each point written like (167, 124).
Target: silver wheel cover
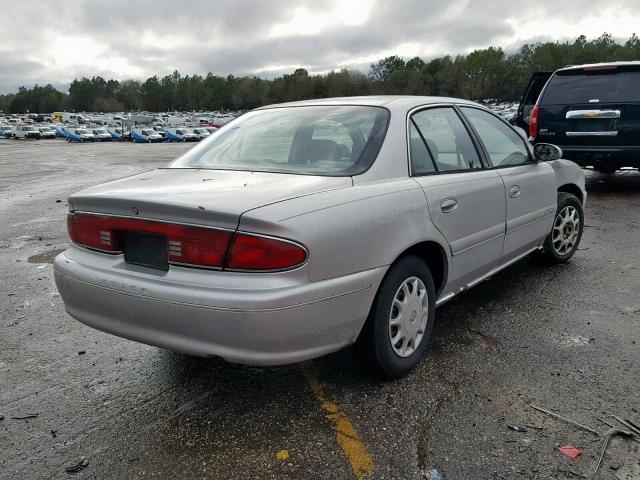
(566, 227)
(408, 316)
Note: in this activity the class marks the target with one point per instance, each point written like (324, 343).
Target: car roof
(389, 101)
(630, 63)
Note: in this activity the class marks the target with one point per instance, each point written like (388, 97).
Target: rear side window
(446, 139)
(597, 86)
(421, 161)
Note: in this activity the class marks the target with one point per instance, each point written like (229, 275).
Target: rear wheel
(401, 319)
(564, 238)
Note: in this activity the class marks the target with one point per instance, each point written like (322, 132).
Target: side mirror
(546, 152)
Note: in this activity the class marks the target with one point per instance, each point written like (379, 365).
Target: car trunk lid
(214, 198)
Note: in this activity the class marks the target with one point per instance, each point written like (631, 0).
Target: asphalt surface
(565, 338)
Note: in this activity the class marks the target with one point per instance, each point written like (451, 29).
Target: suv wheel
(401, 318)
(564, 238)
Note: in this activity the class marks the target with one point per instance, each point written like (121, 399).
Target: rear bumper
(596, 156)
(199, 313)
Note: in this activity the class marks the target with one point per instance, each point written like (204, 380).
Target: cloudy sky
(55, 42)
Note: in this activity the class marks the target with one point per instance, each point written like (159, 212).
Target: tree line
(489, 73)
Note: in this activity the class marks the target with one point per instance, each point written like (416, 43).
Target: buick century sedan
(303, 228)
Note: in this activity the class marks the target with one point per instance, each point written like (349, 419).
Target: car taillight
(87, 230)
(255, 252)
(533, 123)
(190, 245)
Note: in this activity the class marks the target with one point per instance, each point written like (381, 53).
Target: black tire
(374, 342)
(552, 253)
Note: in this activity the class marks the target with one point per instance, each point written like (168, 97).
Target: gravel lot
(565, 338)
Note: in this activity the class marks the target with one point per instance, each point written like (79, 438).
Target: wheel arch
(573, 189)
(435, 256)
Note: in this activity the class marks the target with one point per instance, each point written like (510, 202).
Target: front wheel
(564, 238)
(401, 318)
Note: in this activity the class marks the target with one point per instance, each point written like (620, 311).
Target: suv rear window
(593, 86)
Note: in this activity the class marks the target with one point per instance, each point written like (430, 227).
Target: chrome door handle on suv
(514, 191)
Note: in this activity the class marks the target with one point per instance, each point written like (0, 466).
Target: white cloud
(43, 43)
(597, 19)
(307, 21)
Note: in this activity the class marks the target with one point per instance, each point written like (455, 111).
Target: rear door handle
(514, 191)
(448, 205)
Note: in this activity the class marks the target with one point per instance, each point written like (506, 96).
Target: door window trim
(526, 144)
(484, 164)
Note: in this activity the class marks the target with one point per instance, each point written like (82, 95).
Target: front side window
(310, 140)
(446, 139)
(504, 146)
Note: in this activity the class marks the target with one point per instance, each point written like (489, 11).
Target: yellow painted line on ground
(346, 434)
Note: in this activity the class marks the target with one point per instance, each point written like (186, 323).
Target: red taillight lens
(198, 246)
(253, 252)
(533, 123)
(91, 231)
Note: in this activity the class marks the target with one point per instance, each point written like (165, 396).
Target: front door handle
(514, 191)
(448, 205)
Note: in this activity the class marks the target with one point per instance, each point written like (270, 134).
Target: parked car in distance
(593, 113)
(58, 130)
(116, 133)
(303, 228)
(25, 132)
(80, 135)
(47, 132)
(201, 133)
(146, 135)
(101, 134)
(160, 131)
(180, 135)
(187, 134)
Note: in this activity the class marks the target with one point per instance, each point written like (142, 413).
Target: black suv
(592, 112)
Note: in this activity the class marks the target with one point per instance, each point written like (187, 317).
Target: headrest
(316, 150)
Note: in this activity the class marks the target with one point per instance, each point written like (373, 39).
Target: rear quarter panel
(350, 230)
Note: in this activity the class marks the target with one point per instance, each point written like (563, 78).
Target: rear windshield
(603, 86)
(310, 140)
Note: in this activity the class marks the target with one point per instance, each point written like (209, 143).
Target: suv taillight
(190, 245)
(533, 123)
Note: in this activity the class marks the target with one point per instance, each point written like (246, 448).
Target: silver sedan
(300, 229)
